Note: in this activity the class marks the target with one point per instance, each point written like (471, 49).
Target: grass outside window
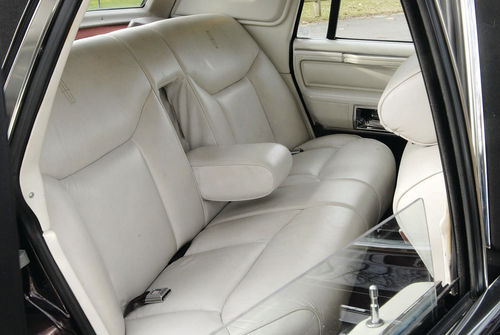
(350, 9)
(108, 4)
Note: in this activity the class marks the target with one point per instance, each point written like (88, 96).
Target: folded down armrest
(240, 172)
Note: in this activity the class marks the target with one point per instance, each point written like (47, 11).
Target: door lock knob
(375, 320)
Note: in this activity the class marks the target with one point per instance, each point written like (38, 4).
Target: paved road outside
(380, 27)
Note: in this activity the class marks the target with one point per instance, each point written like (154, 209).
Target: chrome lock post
(375, 320)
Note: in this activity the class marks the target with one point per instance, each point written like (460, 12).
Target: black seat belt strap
(154, 296)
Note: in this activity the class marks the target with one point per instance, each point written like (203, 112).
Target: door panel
(334, 76)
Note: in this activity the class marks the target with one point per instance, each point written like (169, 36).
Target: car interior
(204, 149)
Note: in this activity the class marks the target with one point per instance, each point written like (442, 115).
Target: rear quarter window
(110, 4)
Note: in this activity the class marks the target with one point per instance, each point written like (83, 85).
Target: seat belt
(154, 296)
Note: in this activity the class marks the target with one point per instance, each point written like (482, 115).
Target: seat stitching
(224, 112)
(157, 191)
(299, 208)
(134, 317)
(364, 183)
(114, 148)
(205, 112)
(258, 95)
(286, 284)
(186, 76)
(238, 80)
(379, 199)
(257, 259)
(282, 316)
(416, 184)
(151, 84)
(224, 247)
(101, 259)
(324, 146)
(332, 154)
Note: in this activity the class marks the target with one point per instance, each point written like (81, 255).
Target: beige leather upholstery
(232, 94)
(241, 171)
(405, 110)
(405, 105)
(123, 198)
(241, 97)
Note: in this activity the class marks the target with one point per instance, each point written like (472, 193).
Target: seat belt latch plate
(296, 151)
(156, 296)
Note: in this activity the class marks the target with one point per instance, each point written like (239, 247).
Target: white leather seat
(123, 198)
(183, 65)
(230, 93)
(404, 109)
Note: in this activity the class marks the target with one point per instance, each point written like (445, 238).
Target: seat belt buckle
(156, 296)
(296, 151)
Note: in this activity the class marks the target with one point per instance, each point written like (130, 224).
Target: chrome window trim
(475, 107)
(29, 49)
(9, 50)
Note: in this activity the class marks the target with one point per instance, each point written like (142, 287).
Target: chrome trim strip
(475, 106)
(9, 50)
(17, 79)
(483, 312)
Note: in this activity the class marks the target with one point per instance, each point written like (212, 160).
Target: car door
(344, 56)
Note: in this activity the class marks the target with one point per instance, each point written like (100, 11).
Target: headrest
(214, 50)
(404, 107)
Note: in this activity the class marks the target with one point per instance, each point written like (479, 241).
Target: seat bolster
(421, 177)
(330, 141)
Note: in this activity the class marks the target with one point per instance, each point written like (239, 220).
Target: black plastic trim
(292, 71)
(333, 19)
(36, 88)
(453, 316)
(12, 313)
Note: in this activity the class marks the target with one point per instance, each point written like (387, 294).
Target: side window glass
(109, 4)
(381, 20)
(314, 19)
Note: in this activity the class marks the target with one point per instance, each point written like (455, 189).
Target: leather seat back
(239, 97)
(121, 195)
(404, 109)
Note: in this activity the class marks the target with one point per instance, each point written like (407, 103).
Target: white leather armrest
(241, 171)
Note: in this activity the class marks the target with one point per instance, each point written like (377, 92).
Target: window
(358, 19)
(314, 19)
(108, 4)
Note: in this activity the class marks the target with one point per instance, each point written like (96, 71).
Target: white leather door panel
(336, 75)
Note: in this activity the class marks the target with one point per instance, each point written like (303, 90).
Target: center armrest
(241, 171)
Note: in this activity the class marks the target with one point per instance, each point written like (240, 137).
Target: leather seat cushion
(349, 158)
(233, 265)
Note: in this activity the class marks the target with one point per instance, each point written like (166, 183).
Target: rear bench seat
(123, 197)
(221, 89)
